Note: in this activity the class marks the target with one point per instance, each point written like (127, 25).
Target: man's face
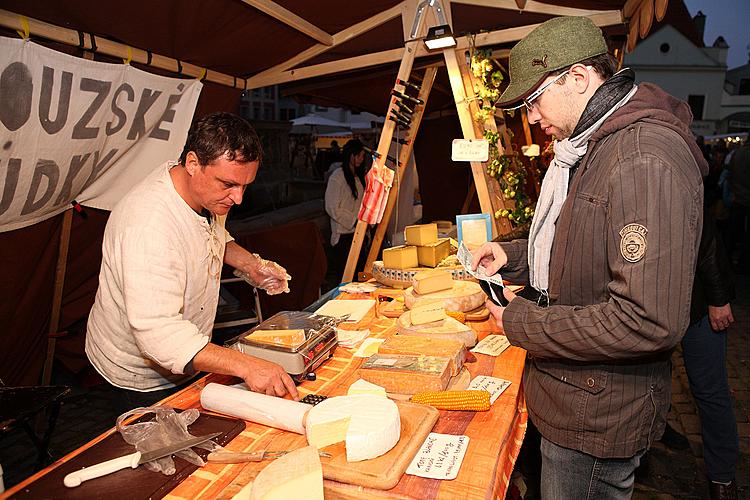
(555, 110)
(220, 184)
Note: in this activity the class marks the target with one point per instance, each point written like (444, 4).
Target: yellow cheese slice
(286, 338)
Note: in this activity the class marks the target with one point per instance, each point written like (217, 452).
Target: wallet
(494, 292)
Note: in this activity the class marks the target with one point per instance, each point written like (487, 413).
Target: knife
(133, 460)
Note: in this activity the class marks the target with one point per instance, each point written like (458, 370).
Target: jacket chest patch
(633, 242)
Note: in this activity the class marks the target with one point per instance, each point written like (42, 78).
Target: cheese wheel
(370, 425)
(463, 296)
(298, 474)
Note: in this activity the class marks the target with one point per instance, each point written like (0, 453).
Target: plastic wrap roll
(267, 410)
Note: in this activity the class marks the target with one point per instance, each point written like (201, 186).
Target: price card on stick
(492, 345)
(495, 386)
(440, 457)
(470, 150)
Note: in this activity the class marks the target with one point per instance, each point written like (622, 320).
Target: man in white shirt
(164, 246)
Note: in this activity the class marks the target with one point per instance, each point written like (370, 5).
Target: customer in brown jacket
(611, 251)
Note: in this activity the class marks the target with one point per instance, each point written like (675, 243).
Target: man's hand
(720, 317)
(497, 311)
(268, 378)
(491, 256)
(268, 275)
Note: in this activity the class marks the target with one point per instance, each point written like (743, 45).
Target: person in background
(344, 193)
(150, 328)
(611, 253)
(739, 186)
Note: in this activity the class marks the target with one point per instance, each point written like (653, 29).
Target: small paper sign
(440, 456)
(495, 386)
(492, 345)
(470, 150)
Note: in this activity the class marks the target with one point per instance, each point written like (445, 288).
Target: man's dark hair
(605, 66)
(222, 134)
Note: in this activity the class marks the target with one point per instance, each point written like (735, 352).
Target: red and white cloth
(379, 181)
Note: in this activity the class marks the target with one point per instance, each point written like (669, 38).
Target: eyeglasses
(529, 101)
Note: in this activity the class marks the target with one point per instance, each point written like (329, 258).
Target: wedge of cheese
(400, 257)
(430, 255)
(428, 312)
(454, 350)
(432, 281)
(421, 234)
(286, 338)
(406, 374)
(369, 425)
(297, 474)
(365, 387)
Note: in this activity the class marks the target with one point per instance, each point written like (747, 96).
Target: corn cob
(454, 400)
(458, 315)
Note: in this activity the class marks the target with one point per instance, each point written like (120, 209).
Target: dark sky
(730, 19)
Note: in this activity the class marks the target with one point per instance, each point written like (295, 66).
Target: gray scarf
(610, 96)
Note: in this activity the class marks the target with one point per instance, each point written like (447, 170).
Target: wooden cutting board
(463, 296)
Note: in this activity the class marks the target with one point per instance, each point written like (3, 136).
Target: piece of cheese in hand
(298, 474)
(369, 425)
(421, 234)
(400, 257)
(428, 313)
(431, 281)
(286, 338)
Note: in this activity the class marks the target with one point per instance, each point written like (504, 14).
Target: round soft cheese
(370, 425)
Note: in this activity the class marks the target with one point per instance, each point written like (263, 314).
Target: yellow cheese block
(432, 281)
(430, 255)
(297, 474)
(286, 338)
(428, 313)
(400, 257)
(421, 234)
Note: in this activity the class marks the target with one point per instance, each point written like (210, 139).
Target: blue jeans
(705, 355)
(574, 475)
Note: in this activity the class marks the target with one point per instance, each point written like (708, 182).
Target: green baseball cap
(554, 44)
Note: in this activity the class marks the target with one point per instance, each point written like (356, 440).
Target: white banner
(74, 129)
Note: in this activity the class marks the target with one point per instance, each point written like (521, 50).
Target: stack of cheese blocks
(423, 248)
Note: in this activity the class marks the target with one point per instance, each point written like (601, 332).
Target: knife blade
(133, 460)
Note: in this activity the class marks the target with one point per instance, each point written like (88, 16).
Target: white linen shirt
(158, 287)
(341, 207)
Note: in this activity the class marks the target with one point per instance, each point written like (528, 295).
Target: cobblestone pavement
(88, 411)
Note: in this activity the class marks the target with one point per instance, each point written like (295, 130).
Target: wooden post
(403, 161)
(54, 321)
(384, 145)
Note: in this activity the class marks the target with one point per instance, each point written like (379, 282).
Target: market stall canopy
(309, 124)
(255, 43)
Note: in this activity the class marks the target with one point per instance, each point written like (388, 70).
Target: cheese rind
(298, 474)
(406, 374)
(374, 425)
(286, 338)
(400, 257)
(421, 234)
(454, 350)
(428, 313)
(432, 281)
(431, 254)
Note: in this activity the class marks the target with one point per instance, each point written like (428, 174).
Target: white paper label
(440, 456)
(495, 386)
(470, 150)
(492, 345)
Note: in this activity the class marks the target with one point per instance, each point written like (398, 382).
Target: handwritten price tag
(492, 345)
(495, 386)
(440, 457)
(470, 150)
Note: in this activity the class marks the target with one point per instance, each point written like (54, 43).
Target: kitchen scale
(300, 355)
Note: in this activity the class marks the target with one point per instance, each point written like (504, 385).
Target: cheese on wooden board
(406, 374)
(287, 338)
(298, 474)
(463, 296)
(374, 425)
(365, 387)
(430, 255)
(428, 313)
(454, 350)
(447, 329)
(400, 257)
(421, 234)
(432, 281)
